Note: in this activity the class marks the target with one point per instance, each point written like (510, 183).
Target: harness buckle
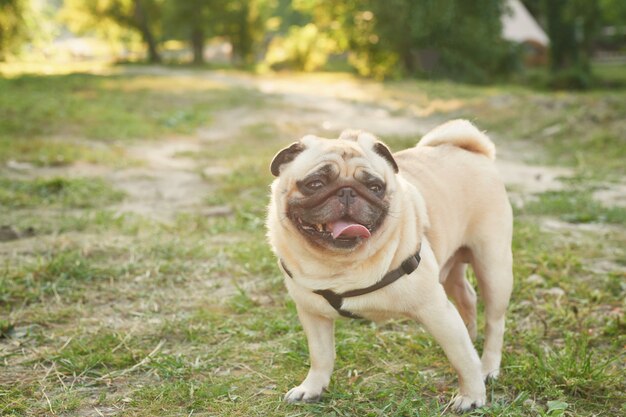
(409, 265)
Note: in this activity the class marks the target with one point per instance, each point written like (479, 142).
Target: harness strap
(336, 300)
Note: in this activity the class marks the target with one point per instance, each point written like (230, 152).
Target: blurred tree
(452, 38)
(194, 20)
(572, 26)
(613, 12)
(289, 16)
(12, 25)
(303, 48)
(243, 22)
(142, 16)
(614, 16)
(145, 16)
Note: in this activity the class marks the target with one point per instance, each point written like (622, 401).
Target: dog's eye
(375, 187)
(315, 184)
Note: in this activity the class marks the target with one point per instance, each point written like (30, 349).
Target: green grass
(610, 75)
(65, 273)
(189, 316)
(110, 108)
(584, 131)
(50, 222)
(99, 354)
(57, 193)
(41, 152)
(575, 206)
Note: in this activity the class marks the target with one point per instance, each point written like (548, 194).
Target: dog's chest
(384, 304)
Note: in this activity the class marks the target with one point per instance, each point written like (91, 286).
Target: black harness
(336, 300)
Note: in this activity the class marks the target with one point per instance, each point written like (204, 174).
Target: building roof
(518, 25)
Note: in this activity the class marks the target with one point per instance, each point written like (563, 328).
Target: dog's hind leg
(462, 293)
(493, 265)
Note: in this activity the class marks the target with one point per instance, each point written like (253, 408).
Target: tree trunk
(590, 26)
(242, 40)
(564, 48)
(197, 44)
(408, 59)
(141, 19)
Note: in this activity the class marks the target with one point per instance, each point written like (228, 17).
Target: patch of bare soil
(585, 232)
(612, 195)
(532, 178)
(338, 106)
(321, 105)
(164, 181)
(523, 180)
(167, 183)
(577, 229)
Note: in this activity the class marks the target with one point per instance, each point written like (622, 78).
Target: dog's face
(335, 192)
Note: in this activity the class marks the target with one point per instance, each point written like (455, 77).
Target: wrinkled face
(337, 193)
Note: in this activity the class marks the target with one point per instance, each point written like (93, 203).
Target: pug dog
(361, 232)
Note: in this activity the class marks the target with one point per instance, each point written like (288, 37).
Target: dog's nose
(346, 195)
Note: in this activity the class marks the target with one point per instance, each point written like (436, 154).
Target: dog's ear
(384, 151)
(285, 156)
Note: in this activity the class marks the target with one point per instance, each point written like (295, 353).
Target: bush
(575, 78)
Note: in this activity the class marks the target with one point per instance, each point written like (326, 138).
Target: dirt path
(166, 183)
(169, 183)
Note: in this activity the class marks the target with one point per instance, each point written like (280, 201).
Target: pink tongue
(346, 229)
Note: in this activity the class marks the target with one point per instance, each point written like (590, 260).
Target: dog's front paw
(303, 394)
(463, 403)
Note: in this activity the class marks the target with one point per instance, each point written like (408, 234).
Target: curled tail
(463, 134)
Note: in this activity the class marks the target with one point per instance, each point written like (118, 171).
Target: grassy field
(135, 278)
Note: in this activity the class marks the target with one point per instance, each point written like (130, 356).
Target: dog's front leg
(320, 336)
(444, 322)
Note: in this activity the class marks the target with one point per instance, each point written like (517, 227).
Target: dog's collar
(336, 300)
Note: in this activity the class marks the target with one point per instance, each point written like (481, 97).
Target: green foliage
(304, 48)
(116, 19)
(12, 25)
(243, 22)
(452, 39)
(613, 12)
(194, 20)
(182, 17)
(94, 18)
